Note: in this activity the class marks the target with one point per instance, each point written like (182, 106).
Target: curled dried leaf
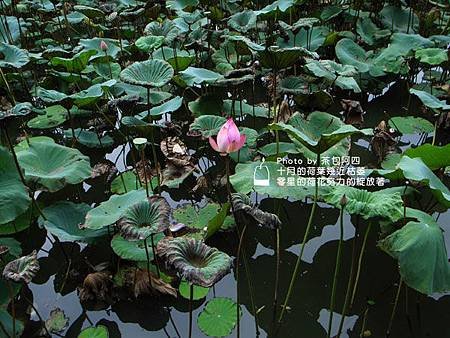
(22, 269)
(96, 287)
(138, 280)
(105, 170)
(242, 203)
(352, 112)
(383, 142)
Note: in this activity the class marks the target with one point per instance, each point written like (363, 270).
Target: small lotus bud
(103, 46)
(140, 143)
(343, 201)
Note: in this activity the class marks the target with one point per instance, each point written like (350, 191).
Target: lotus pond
(195, 168)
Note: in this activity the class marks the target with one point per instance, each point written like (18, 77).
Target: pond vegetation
(193, 168)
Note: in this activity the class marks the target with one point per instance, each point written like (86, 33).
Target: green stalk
(191, 296)
(155, 256)
(299, 258)
(336, 270)
(361, 255)
(394, 309)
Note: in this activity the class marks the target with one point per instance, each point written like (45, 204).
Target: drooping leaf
(243, 21)
(429, 100)
(51, 166)
(219, 317)
(420, 250)
(280, 58)
(399, 19)
(242, 203)
(14, 198)
(12, 56)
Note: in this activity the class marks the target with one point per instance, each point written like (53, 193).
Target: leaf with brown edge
(22, 269)
(138, 280)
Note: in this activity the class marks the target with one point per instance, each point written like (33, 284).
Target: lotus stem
(277, 268)
(350, 281)
(394, 309)
(38, 314)
(360, 259)
(173, 323)
(152, 139)
(241, 240)
(302, 249)
(145, 172)
(363, 326)
(191, 296)
(13, 307)
(148, 260)
(155, 256)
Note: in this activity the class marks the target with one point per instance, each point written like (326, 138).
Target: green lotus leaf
(90, 12)
(284, 148)
(248, 178)
(420, 250)
(368, 204)
(12, 245)
(275, 7)
(145, 218)
(20, 223)
(22, 269)
(206, 105)
(134, 250)
(10, 28)
(51, 96)
(243, 21)
(319, 131)
(194, 75)
(242, 108)
(12, 56)
(411, 124)
(7, 320)
(312, 39)
(434, 157)
(25, 144)
(349, 53)
(166, 29)
(110, 211)
(124, 182)
(150, 73)
(330, 12)
(105, 69)
(14, 198)
(196, 218)
(20, 109)
(242, 203)
(167, 107)
(219, 317)
(432, 56)
(199, 292)
(51, 166)
(293, 85)
(207, 125)
(335, 73)
(300, 23)
(281, 58)
(57, 322)
(99, 331)
(397, 19)
(76, 63)
(63, 220)
(244, 45)
(195, 261)
(54, 116)
(93, 93)
(149, 43)
(429, 100)
(90, 138)
(94, 45)
(369, 32)
(414, 169)
(181, 4)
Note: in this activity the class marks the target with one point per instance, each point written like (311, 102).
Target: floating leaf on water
(57, 322)
(99, 331)
(219, 317)
(199, 292)
(22, 269)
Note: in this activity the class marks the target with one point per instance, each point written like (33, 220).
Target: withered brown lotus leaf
(96, 287)
(242, 203)
(22, 269)
(138, 280)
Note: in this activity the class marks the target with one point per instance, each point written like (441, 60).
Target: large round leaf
(14, 198)
(12, 56)
(111, 211)
(420, 250)
(219, 317)
(150, 73)
(63, 220)
(280, 58)
(432, 56)
(208, 125)
(51, 166)
(411, 124)
(243, 21)
(134, 251)
(349, 53)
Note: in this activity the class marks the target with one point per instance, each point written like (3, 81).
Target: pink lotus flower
(229, 139)
(103, 46)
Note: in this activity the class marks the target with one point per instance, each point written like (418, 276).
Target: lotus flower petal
(195, 261)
